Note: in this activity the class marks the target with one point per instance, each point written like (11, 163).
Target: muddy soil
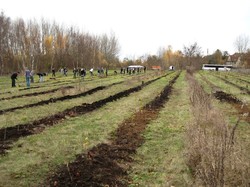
(11, 134)
(63, 98)
(53, 100)
(222, 96)
(241, 107)
(108, 164)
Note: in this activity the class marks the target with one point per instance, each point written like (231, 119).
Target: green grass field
(160, 161)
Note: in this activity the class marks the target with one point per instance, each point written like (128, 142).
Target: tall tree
(192, 53)
(109, 47)
(168, 56)
(153, 60)
(22, 42)
(241, 43)
(217, 57)
(45, 45)
(4, 40)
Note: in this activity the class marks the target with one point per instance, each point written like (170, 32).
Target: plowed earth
(11, 134)
(107, 164)
(239, 105)
(53, 100)
(242, 108)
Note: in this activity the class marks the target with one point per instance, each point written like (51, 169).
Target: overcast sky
(143, 26)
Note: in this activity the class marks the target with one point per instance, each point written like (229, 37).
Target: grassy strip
(240, 77)
(5, 86)
(61, 94)
(230, 111)
(45, 86)
(160, 160)
(34, 113)
(227, 88)
(239, 80)
(34, 157)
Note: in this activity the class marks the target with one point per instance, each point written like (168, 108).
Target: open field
(126, 130)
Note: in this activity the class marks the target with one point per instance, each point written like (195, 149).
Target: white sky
(143, 26)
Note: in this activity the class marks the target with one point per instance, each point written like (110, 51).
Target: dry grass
(214, 154)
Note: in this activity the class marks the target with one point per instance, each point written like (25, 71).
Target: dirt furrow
(53, 100)
(240, 106)
(108, 164)
(11, 134)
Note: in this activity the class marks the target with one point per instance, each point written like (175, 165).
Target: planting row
(60, 143)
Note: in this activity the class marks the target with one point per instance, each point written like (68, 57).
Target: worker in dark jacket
(14, 78)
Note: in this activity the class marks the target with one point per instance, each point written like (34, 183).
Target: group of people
(29, 77)
(63, 71)
(79, 72)
(133, 70)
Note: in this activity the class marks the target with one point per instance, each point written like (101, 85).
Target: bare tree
(4, 40)
(109, 47)
(45, 45)
(241, 43)
(192, 53)
(34, 42)
(22, 42)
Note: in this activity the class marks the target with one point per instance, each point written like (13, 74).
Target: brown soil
(53, 100)
(222, 96)
(107, 164)
(242, 108)
(11, 134)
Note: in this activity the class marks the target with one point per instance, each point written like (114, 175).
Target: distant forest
(42, 45)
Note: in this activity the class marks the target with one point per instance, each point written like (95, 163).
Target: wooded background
(41, 45)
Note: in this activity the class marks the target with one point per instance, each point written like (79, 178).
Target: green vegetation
(160, 160)
(59, 144)
(30, 114)
(163, 159)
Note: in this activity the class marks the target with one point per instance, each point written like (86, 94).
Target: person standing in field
(83, 73)
(65, 71)
(27, 77)
(40, 76)
(14, 78)
(74, 73)
(91, 72)
(53, 72)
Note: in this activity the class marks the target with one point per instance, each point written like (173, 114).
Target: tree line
(43, 45)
